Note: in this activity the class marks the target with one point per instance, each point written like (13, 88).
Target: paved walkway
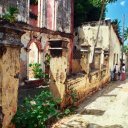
(106, 109)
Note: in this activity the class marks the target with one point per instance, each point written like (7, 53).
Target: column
(9, 74)
(84, 62)
(97, 58)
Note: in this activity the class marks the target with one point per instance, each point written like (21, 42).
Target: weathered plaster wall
(82, 80)
(76, 67)
(22, 6)
(43, 38)
(58, 68)
(25, 38)
(87, 35)
(115, 48)
(85, 80)
(9, 73)
(107, 40)
(85, 85)
(52, 14)
(59, 15)
(63, 15)
(9, 83)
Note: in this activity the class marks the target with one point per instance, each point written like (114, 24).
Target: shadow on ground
(103, 92)
(97, 126)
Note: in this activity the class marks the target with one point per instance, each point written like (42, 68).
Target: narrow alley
(108, 108)
(63, 64)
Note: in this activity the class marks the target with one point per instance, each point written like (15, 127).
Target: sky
(117, 10)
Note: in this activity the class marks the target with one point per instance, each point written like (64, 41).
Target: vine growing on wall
(11, 14)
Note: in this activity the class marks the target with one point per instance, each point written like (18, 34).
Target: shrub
(11, 14)
(37, 70)
(34, 113)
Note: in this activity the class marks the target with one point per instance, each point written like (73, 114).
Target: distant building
(108, 40)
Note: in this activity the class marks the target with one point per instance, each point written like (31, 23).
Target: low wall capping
(85, 48)
(98, 50)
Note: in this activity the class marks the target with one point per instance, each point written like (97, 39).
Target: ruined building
(91, 64)
(45, 27)
(42, 27)
(42, 21)
(107, 41)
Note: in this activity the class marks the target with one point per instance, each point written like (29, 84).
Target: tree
(126, 34)
(125, 48)
(88, 10)
(116, 26)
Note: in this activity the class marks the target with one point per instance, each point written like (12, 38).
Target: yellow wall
(107, 40)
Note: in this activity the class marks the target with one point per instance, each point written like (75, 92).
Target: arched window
(34, 55)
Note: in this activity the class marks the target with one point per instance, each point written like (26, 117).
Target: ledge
(93, 72)
(21, 26)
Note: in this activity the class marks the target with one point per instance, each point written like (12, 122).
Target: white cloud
(122, 3)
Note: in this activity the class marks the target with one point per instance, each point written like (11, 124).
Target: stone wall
(84, 85)
(115, 49)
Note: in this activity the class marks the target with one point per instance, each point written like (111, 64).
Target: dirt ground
(108, 108)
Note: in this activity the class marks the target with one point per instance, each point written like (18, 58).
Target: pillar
(58, 67)
(106, 58)
(84, 62)
(97, 58)
(9, 74)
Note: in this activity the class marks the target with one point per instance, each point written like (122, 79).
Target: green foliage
(73, 95)
(34, 113)
(88, 10)
(37, 70)
(126, 34)
(116, 26)
(38, 111)
(125, 48)
(10, 15)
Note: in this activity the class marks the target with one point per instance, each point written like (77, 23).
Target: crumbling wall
(87, 34)
(84, 85)
(9, 73)
(83, 81)
(58, 67)
(9, 83)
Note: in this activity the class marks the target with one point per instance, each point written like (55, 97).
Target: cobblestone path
(108, 108)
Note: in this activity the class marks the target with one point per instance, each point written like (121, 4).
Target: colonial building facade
(46, 20)
(107, 40)
(55, 15)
